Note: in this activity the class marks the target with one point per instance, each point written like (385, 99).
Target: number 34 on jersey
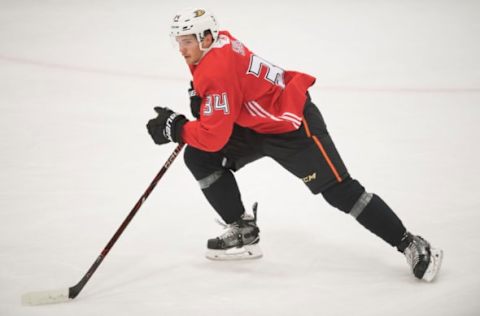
(216, 102)
(274, 75)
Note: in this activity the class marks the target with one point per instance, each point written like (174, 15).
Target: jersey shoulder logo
(238, 47)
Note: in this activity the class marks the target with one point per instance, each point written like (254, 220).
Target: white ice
(397, 81)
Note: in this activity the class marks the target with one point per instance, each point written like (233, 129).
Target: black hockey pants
(308, 153)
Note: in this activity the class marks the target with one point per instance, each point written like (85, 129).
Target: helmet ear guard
(194, 22)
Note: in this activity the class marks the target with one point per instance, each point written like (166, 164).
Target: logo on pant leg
(310, 177)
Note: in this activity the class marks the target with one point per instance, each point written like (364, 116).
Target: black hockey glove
(166, 127)
(195, 101)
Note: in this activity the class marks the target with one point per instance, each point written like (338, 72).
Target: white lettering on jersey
(207, 110)
(220, 103)
(274, 73)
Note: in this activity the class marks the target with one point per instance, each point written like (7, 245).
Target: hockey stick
(66, 294)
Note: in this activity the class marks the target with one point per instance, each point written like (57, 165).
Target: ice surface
(397, 81)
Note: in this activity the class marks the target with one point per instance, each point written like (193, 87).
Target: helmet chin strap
(204, 50)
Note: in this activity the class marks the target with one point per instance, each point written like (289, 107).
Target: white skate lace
(231, 229)
(412, 256)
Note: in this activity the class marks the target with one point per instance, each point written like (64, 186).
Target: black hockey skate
(239, 241)
(424, 260)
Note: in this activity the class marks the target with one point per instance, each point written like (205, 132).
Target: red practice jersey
(239, 87)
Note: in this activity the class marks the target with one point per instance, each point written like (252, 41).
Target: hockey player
(247, 108)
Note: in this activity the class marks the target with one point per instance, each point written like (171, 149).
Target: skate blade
(436, 258)
(243, 253)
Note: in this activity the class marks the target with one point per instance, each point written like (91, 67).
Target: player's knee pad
(346, 196)
(206, 167)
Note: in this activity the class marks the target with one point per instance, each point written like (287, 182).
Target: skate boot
(239, 241)
(424, 260)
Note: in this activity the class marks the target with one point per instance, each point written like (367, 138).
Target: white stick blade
(45, 297)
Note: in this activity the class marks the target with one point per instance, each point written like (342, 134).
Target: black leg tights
(369, 209)
(218, 184)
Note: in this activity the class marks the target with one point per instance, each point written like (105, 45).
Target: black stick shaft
(75, 290)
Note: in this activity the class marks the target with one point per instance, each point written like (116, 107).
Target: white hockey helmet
(196, 22)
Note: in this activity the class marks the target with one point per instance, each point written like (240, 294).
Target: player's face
(189, 47)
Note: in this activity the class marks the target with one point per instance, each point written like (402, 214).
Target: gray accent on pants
(210, 179)
(361, 203)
